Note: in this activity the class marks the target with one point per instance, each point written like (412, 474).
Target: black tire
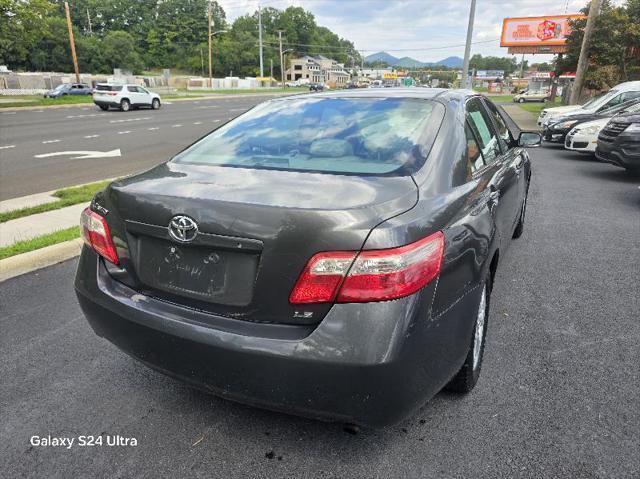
(467, 377)
(155, 104)
(125, 105)
(104, 107)
(523, 212)
(521, 100)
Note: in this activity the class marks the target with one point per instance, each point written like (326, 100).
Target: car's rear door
(514, 157)
(502, 190)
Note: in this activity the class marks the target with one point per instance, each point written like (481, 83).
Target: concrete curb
(40, 258)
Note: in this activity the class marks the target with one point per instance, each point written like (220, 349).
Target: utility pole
(281, 61)
(467, 48)
(260, 39)
(201, 63)
(271, 76)
(522, 67)
(89, 20)
(210, 56)
(583, 61)
(72, 42)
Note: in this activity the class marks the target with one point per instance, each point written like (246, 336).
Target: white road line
(124, 132)
(50, 141)
(153, 128)
(215, 121)
(197, 123)
(9, 113)
(92, 136)
(7, 147)
(84, 109)
(176, 126)
(238, 109)
(130, 119)
(207, 107)
(84, 116)
(37, 111)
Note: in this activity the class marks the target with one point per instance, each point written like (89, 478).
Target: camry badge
(182, 228)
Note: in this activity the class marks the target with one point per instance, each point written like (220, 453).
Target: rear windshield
(109, 87)
(339, 135)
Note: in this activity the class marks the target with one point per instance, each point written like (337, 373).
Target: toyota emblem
(183, 229)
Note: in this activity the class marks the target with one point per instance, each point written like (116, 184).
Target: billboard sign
(536, 31)
(480, 74)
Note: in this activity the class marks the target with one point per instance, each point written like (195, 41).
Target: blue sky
(426, 30)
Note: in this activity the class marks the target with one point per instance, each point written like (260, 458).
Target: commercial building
(317, 69)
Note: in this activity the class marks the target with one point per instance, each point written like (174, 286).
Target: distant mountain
(452, 62)
(408, 62)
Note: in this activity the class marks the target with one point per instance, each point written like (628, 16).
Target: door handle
(494, 199)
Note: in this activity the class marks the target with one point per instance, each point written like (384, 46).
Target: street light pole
(467, 48)
(583, 61)
(210, 55)
(281, 61)
(72, 42)
(260, 39)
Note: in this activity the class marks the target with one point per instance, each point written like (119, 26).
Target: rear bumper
(106, 102)
(369, 364)
(623, 152)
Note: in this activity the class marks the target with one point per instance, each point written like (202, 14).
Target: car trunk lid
(256, 229)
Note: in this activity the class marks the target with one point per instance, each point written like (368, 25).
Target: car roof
(419, 93)
(629, 85)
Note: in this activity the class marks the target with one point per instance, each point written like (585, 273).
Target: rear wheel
(467, 377)
(125, 105)
(155, 104)
(521, 100)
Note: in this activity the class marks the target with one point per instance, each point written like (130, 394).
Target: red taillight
(95, 232)
(376, 275)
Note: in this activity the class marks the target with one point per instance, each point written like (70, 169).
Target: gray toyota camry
(329, 255)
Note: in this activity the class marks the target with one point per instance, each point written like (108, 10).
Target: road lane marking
(37, 111)
(92, 136)
(238, 109)
(84, 116)
(176, 126)
(153, 128)
(83, 154)
(124, 132)
(215, 121)
(197, 123)
(9, 113)
(130, 119)
(46, 142)
(207, 107)
(7, 147)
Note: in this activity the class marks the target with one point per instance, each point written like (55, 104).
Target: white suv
(124, 97)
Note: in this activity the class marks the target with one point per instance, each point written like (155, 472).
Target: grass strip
(40, 242)
(36, 100)
(66, 197)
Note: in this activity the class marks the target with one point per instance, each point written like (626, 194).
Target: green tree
(119, 51)
(21, 25)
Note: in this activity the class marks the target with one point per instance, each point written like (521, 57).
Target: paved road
(558, 396)
(144, 137)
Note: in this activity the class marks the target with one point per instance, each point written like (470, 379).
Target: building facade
(317, 69)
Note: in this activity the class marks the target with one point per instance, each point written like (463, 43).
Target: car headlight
(591, 130)
(633, 128)
(564, 124)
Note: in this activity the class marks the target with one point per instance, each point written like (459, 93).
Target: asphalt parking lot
(558, 395)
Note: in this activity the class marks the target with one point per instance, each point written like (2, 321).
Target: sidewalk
(40, 224)
(523, 119)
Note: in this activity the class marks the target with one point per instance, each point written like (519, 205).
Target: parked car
(531, 96)
(69, 89)
(619, 141)
(584, 137)
(124, 97)
(329, 255)
(316, 86)
(560, 127)
(618, 94)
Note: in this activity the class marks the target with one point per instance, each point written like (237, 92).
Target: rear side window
(474, 155)
(109, 87)
(374, 136)
(480, 124)
(503, 130)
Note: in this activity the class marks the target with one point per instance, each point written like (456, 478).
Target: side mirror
(529, 139)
